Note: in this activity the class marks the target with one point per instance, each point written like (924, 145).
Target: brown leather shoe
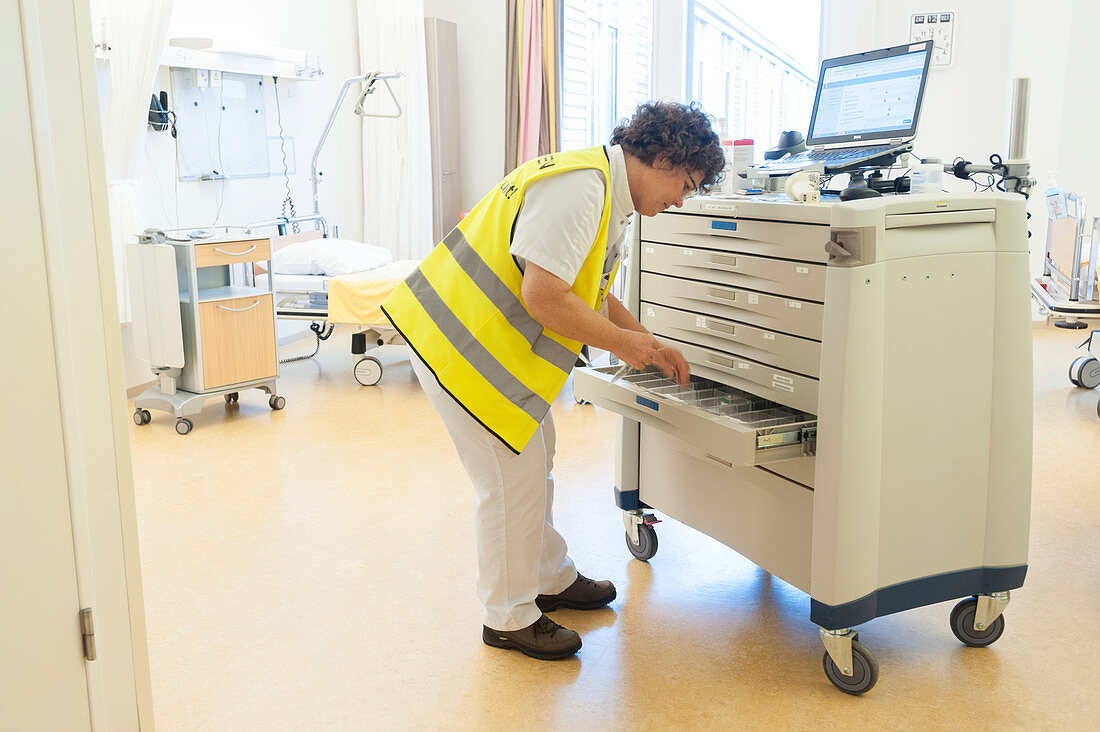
(583, 594)
(543, 639)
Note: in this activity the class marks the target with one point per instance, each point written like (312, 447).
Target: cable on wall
(288, 201)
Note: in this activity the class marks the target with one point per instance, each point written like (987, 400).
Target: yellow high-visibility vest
(463, 313)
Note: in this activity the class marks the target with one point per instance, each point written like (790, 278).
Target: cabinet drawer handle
(234, 254)
(239, 310)
(721, 328)
(728, 264)
(721, 295)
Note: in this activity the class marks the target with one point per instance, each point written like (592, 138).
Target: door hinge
(87, 632)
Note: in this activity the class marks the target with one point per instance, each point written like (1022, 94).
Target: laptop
(865, 111)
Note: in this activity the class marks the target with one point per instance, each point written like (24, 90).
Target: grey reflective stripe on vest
(470, 347)
(507, 303)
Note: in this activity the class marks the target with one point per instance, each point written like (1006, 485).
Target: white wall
(967, 107)
(481, 83)
(328, 28)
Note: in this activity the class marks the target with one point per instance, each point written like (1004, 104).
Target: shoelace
(545, 625)
(587, 582)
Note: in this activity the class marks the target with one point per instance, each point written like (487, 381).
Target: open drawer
(731, 425)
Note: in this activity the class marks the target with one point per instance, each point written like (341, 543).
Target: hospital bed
(1068, 291)
(347, 299)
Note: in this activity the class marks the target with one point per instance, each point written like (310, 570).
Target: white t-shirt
(560, 215)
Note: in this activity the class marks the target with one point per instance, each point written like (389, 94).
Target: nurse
(496, 315)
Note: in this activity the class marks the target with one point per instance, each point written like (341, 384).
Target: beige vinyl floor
(313, 569)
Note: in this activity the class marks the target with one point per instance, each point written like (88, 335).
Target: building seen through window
(606, 66)
(754, 65)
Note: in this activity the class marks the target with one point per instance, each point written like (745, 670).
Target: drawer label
(743, 365)
(724, 225)
(648, 403)
(649, 250)
(794, 304)
(649, 312)
(769, 336)
(727, 207)
(754, 299)
(782, 378)
(801, 270)
(700, 321)
(689, 252)
(781, 385)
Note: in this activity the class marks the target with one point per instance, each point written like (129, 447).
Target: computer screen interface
(869, 99)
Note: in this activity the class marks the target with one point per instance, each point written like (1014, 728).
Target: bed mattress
(357, 298)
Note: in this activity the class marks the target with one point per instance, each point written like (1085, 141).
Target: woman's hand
(637, 348)
(673, 364)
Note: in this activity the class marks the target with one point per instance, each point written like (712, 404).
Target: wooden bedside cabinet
(228, 329)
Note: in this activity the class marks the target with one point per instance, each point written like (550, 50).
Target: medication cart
(858, 421)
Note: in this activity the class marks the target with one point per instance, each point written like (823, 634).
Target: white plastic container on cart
(927, 176)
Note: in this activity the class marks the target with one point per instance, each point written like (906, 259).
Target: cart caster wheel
(864, 671)
(647, 543)
(232, 398)
(368, 371)
(183, 425)
(142, 417)
(1085, 372)
(276, 402)
(962, 625)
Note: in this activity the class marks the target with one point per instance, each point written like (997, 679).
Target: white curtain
(136, 31)
(397, 165)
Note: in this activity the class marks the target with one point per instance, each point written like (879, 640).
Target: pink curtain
(530, 95)
(531, 122)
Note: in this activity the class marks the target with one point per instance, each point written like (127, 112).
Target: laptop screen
(870, 96)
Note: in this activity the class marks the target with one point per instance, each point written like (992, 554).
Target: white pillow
(329, 257)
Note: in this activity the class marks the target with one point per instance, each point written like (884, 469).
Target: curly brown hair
(682, 132)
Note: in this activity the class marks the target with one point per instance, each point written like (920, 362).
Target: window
(606, 55)
(754, 65)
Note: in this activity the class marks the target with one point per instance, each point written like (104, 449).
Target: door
(68, 526)
(43, 683)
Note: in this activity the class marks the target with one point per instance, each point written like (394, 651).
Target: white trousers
(519, 553)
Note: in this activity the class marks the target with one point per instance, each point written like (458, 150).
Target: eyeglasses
(693, 191)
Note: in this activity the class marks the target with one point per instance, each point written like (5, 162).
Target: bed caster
(183, 425)
(232, 398)
(1085, 372)
(368, 371)
(142, 417)
(970, 621)
(857, 670)
(276, 402)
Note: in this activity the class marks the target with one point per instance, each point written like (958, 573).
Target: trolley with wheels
(203, 334)
(185, 404)
(843, 428)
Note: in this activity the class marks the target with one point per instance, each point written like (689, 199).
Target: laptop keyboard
(832, 160)
(859, 153)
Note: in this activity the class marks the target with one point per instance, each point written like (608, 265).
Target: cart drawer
(231, 252)
(779, 276)
(805, 242)
(787, 315)
(758, 379)
(776, 349)
(238, 341)
(733, 426)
